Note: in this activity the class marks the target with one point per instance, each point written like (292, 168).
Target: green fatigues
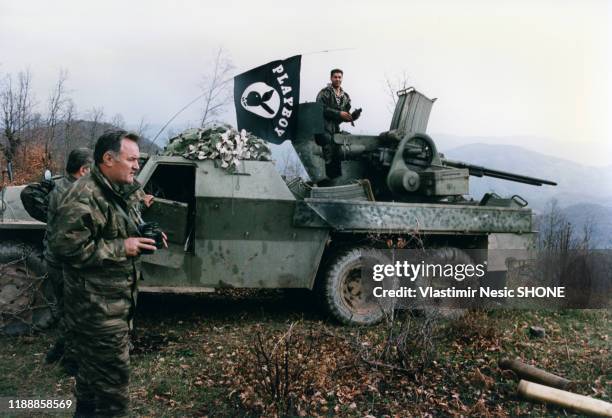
(100, 286)
(332, 106)
(54, 266)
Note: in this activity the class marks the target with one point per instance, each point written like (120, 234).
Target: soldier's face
(336, 79)
(123, 167)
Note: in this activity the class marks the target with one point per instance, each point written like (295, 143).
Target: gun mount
(403, 163)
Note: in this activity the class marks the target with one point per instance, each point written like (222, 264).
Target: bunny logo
(261, 99)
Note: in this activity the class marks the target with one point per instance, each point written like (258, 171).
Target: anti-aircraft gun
(403, 163)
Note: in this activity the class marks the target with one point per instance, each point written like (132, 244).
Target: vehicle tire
(346, 296)
(25, 294)
(447, 307)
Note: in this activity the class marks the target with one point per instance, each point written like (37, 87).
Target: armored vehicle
(252, 229)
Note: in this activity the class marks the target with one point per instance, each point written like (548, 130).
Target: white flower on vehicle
(219, 143)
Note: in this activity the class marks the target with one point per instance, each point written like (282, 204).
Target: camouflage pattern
(35, 199)
(62, 184)
(100, 286)
(54, 266)
(331, 108)
(331, 114)
(135, 200)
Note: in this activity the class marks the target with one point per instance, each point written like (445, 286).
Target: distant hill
(583, 193)
(84, 133)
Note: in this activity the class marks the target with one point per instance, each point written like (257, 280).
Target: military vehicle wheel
(347, 297)
(447, 307)
(24, 290)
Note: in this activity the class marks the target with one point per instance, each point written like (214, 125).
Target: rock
(537, 332)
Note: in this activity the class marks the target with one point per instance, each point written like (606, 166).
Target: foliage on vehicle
(221, 142)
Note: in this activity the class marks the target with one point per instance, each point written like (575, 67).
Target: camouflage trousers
(56, 278)
(330, 154)
(98, 313)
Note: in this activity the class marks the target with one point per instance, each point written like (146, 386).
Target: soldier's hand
(133, 246)
(148, 200)
(346, 116)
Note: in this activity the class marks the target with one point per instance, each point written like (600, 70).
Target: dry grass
(196, 356)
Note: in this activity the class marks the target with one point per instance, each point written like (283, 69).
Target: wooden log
(564, 399)
(533, 374)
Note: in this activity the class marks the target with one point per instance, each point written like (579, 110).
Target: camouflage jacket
(90, 230)
(332, 109)
(62, 184)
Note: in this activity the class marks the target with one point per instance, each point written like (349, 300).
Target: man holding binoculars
(99, 238)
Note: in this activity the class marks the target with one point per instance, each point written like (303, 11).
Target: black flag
(267, 98)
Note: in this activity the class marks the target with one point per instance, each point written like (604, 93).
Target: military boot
(55, 353)
(70, 366)
(84, 410)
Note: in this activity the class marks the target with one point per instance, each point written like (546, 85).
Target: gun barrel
(479, 171)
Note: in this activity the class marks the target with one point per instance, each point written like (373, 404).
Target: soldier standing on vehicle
(97, 239)
(336, 109)
(79, 164)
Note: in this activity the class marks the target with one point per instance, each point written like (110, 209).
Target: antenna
(323, 51)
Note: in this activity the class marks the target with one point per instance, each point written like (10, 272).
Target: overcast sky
(535, 73)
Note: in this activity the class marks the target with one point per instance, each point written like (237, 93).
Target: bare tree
(143, 127)
(96, 117)
(588, 228)
(56, 107)
(393, 84)
(556, 232)
(70, 115)
(16, 106)
(118, 121)
(216, 87)
(567, 257)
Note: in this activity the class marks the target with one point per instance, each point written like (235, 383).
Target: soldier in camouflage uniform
(98, 242)
(336, 107)
(78, 164)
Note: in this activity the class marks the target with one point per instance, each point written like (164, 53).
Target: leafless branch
(96, 117)
(118, 121)
(216, 87)
(69, 118)
(280, 363)
(143, 127)
(56, 109)
(16, 107)
(393, 84)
